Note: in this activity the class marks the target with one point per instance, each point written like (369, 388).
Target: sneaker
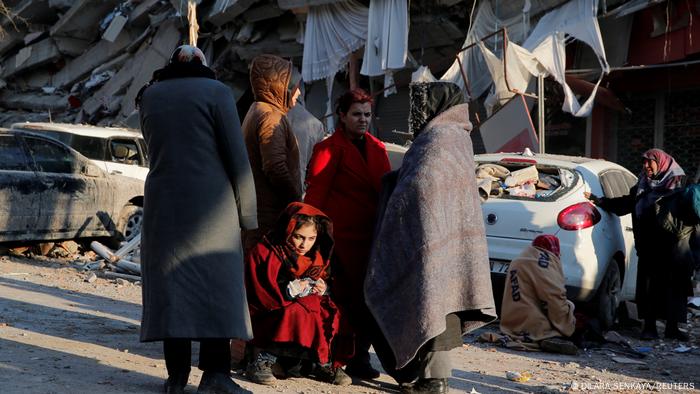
(219, 383)
(328, 374)
(362, 370)
(559, 345)
(260, 370)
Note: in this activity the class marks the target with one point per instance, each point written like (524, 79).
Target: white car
(597, 248)
(117, 151)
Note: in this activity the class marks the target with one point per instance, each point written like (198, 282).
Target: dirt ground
(60, 333)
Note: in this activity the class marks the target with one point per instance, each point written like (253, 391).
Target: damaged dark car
(49, 191)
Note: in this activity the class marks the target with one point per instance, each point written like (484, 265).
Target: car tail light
(578, 216)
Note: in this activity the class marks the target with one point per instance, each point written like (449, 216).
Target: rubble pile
(84, 61)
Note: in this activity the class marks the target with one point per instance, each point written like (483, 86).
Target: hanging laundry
(333, 32)
(387, 39)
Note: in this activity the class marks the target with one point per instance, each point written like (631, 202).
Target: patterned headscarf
(428, 100)
(669, 176)
(188, 54)
(185, 62)
(547, 242)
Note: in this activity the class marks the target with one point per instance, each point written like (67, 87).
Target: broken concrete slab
(100, 53)
(33, 37)
(32, 56)
(34, 80)
(35, 11)
(223, 11)
(139, 16)
(11, 39)
(270, 44)
(61, 5)
(158, 54)
(82, 19)
(263, 12)
(72, 47)
(114, 86)
(32, 101)
(115, 27)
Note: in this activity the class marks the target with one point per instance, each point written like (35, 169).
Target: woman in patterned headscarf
(658, 292)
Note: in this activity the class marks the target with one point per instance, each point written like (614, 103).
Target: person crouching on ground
(291, 312)
(535, 308)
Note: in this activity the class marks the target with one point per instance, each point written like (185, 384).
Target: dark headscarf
(428, 100)
(315, 263)
(669, 176)
(547, 242)
(185, 62)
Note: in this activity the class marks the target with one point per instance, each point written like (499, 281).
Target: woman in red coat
(344, 180)
(291, 312)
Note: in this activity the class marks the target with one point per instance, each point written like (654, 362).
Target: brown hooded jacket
(272, 147)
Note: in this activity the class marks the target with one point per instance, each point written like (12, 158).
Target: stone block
(32, 56)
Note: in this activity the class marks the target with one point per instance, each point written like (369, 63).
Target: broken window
(12, 155)
(124, 151)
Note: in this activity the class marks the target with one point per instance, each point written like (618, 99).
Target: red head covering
(547, 242)
(315, 263)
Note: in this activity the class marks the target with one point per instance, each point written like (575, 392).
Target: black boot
(426, 386)
(176, 384)
(362, 370)
(219, 383)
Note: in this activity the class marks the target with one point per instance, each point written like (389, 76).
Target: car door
(132, 165)
(68, 200)
(19, 192)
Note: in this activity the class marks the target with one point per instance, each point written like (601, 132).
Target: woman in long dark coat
(199, 193)
(658, 280)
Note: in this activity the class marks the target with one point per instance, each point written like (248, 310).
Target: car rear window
(12, 154)
(523, 181)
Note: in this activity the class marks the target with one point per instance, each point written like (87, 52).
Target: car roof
(79, 129)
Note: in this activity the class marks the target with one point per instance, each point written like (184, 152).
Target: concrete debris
(85, 60)
(91, 277)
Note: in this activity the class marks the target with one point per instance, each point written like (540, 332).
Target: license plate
(499, 267)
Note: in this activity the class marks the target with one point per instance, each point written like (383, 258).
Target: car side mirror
(120, 152)
(90, 171)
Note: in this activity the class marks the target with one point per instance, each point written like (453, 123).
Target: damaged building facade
(83, 61)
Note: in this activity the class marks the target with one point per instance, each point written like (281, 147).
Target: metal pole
(540, 111)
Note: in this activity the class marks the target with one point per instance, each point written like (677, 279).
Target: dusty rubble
(84, 61)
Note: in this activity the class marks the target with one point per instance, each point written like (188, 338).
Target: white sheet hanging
(473, 62)
(544, 52)
(333, 32)
(387, 37)
(578, 19)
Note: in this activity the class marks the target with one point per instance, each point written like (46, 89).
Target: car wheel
(130, 220)
(609, 295)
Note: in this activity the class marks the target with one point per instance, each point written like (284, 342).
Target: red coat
(345, 186)
(312, 322)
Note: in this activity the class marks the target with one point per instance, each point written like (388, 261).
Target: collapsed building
(83, 61)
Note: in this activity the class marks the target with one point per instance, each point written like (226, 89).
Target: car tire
(608, 299)
(129, 224)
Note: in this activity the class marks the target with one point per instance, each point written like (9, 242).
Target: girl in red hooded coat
(286, 283)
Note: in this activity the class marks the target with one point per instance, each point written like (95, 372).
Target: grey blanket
(430, 257)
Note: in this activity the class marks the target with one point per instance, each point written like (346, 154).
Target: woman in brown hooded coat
(272, 147)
